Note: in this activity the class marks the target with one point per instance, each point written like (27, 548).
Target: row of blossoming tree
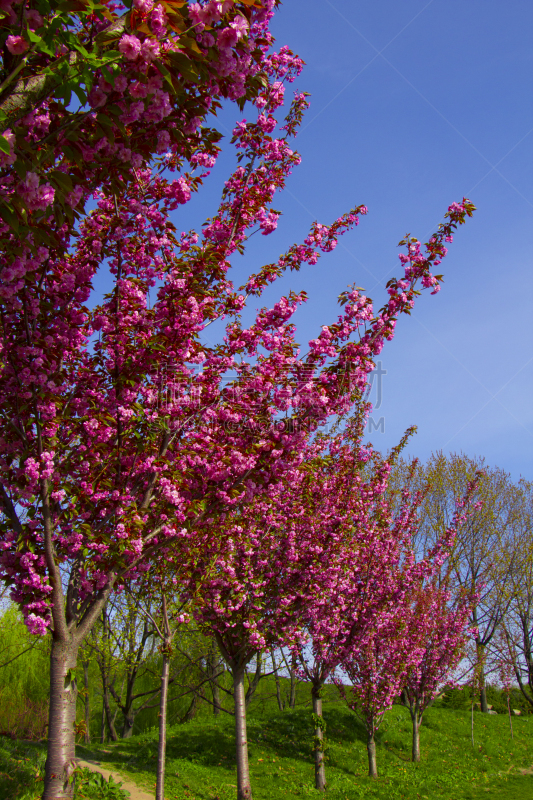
(325, 564)
(124, 446)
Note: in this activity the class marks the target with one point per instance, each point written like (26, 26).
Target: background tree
(478, 565)
(442, 639)
(514, 648)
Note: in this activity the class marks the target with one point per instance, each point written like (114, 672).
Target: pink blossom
(34, 18)
(145, 6)
(36, 625)
(130, 46)
(150, 50)
(97, 98)
(158, 21)
(16, 45)
(227, 38)
(163, 142)
(120, 84)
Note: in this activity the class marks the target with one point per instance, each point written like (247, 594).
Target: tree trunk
(102, 723)
(162, 748)
(483, 698)
(480, 652)
(415, 755)
(371, 750)
(244, 788)
(109, 717)
(127, 726)
(86, 704)
(60, 763)
(318, 719)
(213, 664)
(191, 711)
(292, 698)
(255, 681)
(278, 682)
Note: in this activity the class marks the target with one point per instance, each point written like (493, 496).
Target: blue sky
(414, 105)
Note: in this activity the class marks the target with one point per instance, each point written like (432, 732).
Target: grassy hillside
(201, 763)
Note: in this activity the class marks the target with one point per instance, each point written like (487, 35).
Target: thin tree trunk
(483, 698)
(127, 726)
(109, 717)
(86, 704)
(371, 750)
(318, 719)
(213, 663)
(278, 683)
(415, 755)
(292, 698)
(472, 723)
(193, 708)
(60, 763)
(162, 748)
(255, 681)
(102, 723)
(480, 651)
(244, 788)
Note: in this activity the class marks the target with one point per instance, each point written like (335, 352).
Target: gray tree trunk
(127, 727)
(277, 680)
(255, 680)
(162, 748)
(292, 697)
(86, 704)
(213, 664)
(320, 767)
(415, 753)
(102, 724)
(244, 787)
(109, 716)
(60, 763)
(483, 697)
(371, 750)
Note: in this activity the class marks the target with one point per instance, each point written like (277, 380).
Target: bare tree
(478, 562)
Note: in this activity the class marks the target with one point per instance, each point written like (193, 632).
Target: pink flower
(31, 181)
(158, 21)
(130, 46)
(240, 25)
(145, 6)
(227, 38)
(34, 19)
(120, 83)
(16, 45)
(138, 90)
(97, 98)
(150, 49)
(73, 198)
(163, 142)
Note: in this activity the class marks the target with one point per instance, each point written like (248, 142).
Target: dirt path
(135, 792)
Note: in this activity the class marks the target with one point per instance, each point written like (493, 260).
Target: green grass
(201, 763)
(22, 772)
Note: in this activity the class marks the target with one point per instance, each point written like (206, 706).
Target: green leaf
(9, 217)
(4, 145)
(21, 169)
(64, 181)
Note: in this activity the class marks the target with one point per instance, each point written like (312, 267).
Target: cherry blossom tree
(443, 630)
(280, 562)
(122, 437)
(392, 615)
(354, 482)
(99, 89)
